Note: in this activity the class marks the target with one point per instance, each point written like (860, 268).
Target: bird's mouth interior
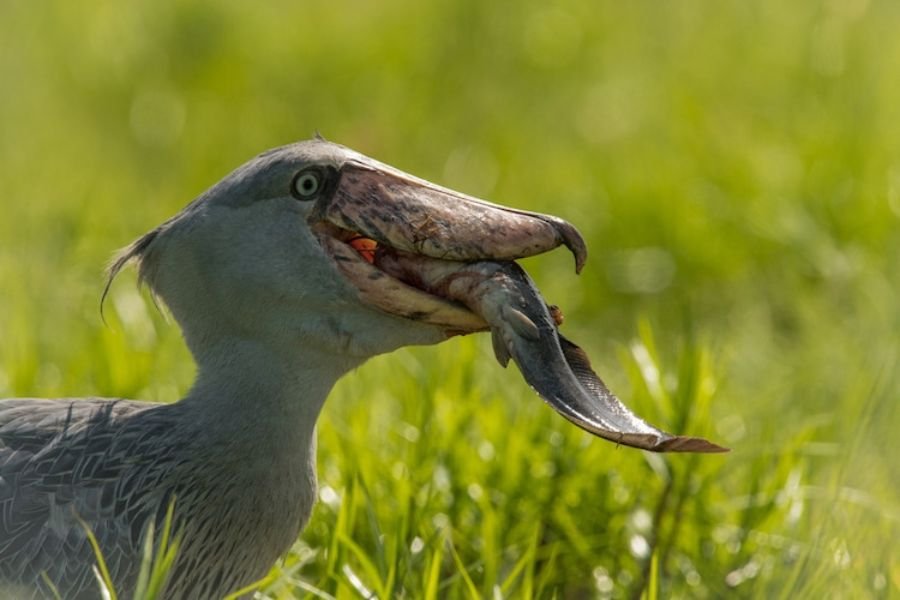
(365, 247)
(362, 261)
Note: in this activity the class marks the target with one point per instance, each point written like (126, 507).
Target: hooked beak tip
(571, 239)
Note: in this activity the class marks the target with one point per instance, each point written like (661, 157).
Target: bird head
(281, 251)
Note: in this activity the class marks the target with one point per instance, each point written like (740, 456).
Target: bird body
(241, 496)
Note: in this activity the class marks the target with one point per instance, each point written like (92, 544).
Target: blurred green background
(734, 166)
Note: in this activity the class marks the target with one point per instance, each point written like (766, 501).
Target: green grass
(734, 166)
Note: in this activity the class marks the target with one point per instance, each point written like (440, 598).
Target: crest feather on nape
(139, 252)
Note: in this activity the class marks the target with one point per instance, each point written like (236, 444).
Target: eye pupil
(306, 185)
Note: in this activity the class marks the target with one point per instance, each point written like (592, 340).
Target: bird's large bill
(426, 253)
(375, 207)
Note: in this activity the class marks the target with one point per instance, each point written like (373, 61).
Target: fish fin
(682, 443)
(580, 365)
(522, 324)
(501, 352)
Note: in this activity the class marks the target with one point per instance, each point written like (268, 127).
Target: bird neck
(248, 440)
(257, 391)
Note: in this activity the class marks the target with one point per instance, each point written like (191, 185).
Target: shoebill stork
(273, 278)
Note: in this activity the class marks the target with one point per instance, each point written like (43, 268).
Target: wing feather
(63, 462)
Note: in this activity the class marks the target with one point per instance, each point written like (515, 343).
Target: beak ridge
(416, 216)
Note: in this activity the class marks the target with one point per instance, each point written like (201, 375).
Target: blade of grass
(433, 572)
(272, 576)
(155, 567)
(471, 588)
(53, 589)
(524, 564)
(369, 567)
(101, 570)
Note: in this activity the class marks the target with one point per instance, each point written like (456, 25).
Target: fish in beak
(431, 254)
(376, 209)
(526, 330)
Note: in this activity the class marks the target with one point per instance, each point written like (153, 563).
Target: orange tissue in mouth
(365, 247)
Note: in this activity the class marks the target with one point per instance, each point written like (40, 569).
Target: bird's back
(70, 464)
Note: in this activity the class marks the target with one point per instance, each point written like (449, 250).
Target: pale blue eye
(306, 185)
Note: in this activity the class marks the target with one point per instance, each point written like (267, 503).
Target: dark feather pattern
(115, 465)
(61, 461)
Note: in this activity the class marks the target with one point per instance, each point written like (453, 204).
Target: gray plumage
(116, 465)
(272, 327)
